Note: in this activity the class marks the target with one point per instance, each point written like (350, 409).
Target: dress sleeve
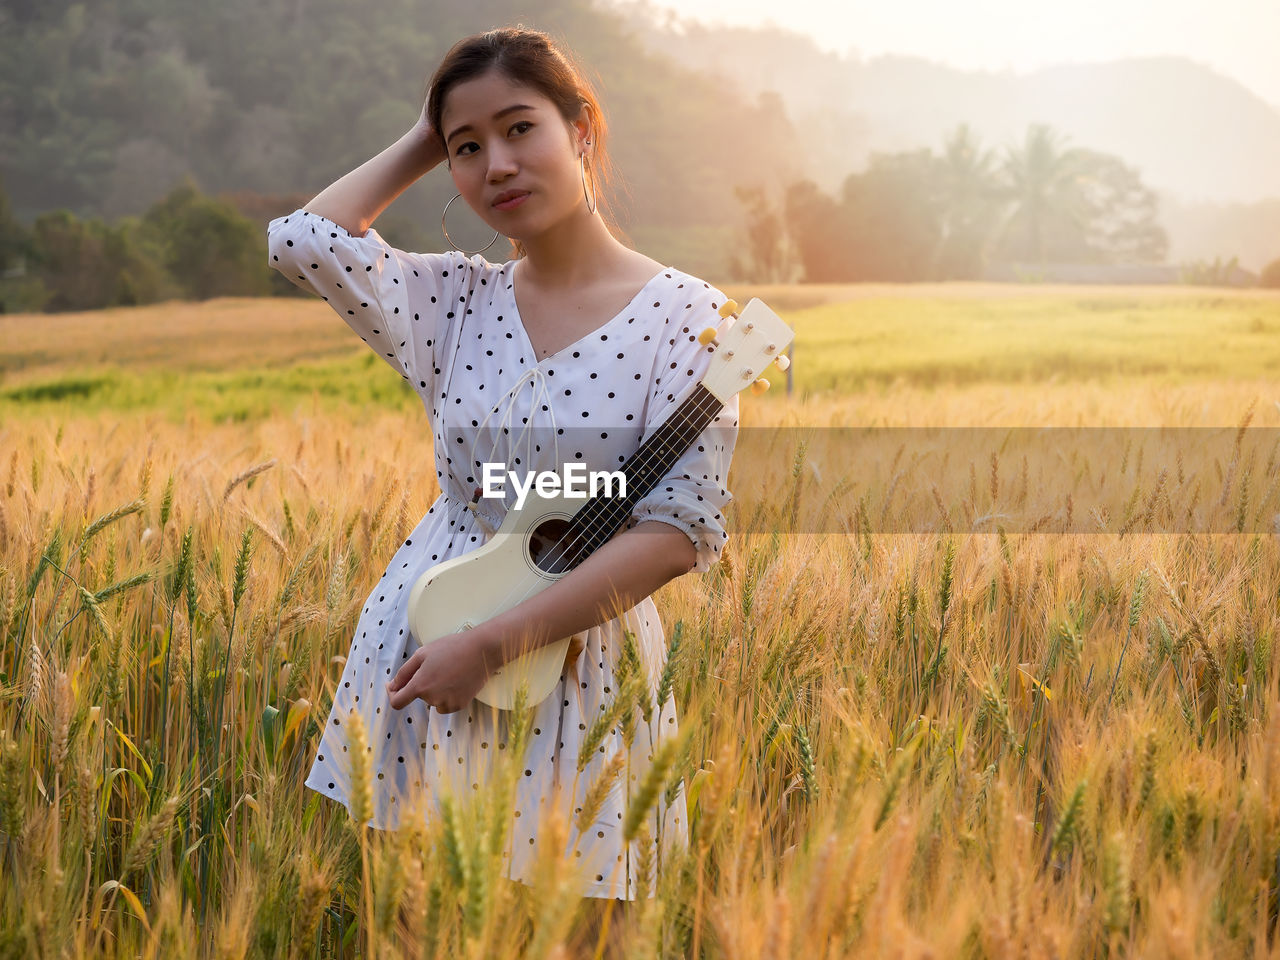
(399, 303)
(693, 495)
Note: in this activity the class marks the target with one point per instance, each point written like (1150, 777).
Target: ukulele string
(583, 537)
(710, 404)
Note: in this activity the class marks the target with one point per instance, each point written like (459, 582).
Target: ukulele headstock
(754, 340)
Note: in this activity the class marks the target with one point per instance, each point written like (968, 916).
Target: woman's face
(527, 148)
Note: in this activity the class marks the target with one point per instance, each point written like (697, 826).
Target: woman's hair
(532, 59)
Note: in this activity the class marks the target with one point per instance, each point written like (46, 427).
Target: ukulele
(548, 536)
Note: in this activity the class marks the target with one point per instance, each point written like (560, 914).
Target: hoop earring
(450, 239)
(582, 168)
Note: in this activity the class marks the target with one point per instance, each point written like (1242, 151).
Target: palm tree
(969, 192)
(1042, 182)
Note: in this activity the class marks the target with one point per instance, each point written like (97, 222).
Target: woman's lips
(512, 203)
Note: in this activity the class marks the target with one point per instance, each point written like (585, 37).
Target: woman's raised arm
(329, 248)
(356, 199)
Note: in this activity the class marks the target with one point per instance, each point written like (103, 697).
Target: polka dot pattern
(370, 284)
(449, 325)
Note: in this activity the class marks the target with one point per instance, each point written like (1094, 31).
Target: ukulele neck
(604, 516)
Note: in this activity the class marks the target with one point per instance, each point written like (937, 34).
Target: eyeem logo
(573, 480)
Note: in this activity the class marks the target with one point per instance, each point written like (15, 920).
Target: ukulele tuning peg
(729, 307)
(707, 336)
(782, 361)
(759, 386)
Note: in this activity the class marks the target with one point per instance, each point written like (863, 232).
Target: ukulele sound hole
(548, 548)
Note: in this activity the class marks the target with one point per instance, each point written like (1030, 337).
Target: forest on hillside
(144, 146)
(105, 106)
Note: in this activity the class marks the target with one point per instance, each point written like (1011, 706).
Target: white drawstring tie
(541, 396)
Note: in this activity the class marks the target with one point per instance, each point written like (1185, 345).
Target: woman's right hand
(355, 200)
(427, 135)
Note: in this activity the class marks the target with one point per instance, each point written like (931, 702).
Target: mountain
(1189, 130)
(1204, 141)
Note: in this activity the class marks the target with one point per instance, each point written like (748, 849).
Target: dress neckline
(515, 310)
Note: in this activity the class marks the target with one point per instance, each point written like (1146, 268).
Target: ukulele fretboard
(603, 516)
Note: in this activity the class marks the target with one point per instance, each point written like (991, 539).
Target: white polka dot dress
(448, 324)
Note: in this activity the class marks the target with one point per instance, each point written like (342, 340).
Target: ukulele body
(463, 592)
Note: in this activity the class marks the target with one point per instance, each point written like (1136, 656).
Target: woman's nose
(501, 161)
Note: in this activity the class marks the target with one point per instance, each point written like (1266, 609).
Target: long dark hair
(533, 59)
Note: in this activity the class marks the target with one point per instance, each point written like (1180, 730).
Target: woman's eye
(472, 143)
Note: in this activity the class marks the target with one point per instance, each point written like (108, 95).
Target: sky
(1238, 38)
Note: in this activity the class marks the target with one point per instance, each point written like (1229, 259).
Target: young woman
(580, 347)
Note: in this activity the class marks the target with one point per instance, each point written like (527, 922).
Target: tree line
(105, 106)
(925, 216)
(910, 216)
(186, 246)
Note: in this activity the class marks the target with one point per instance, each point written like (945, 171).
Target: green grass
(236, 395)
(952, 342)
(920, 341)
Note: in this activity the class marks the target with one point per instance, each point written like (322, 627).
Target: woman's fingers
(407, 670)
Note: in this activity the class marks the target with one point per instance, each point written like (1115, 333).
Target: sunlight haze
(1235, 37)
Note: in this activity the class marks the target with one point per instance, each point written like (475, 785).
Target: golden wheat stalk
(299, 570)
(389, 888)
(455, 857)
(63, 704)
(144, 473)
(652, 782)
(90, 603)
(361, 797)
(35, 692)
(300, 616)
(148, 837)
(599, 791)
(404, 520)
(13, 777)
(122, 586)
(235, 926)
(13, 474)
(267, 532)
(248, 474)
(302, 479)
(624, 698)
(337, 585)
(84, 787)
(777, 944)
(1116, 881)
(478, 887)
(646, 863)
(109, 518)
(90, 487)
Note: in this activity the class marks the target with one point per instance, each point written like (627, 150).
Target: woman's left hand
(446, 673)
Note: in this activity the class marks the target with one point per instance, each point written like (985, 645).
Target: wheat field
(935, 701)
